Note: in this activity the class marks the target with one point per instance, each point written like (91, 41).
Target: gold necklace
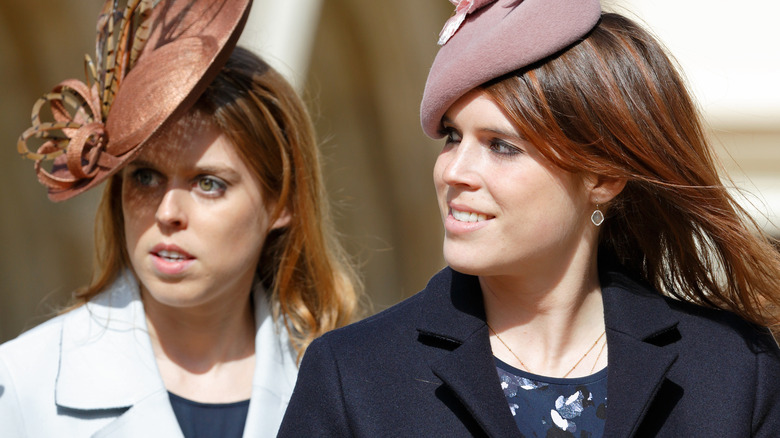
(597, 357)
(572, 368)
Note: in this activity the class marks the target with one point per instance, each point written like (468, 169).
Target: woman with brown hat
(216, 261)
(601, 280)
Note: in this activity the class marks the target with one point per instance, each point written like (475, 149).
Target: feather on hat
(154, 59)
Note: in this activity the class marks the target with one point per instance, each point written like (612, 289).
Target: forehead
(477, 109)
(184, 141)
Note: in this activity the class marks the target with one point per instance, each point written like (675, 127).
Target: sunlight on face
(506, 209)
(194, 216)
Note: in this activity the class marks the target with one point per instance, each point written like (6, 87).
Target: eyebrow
(498, 131)
(142, 163)
(223, 171)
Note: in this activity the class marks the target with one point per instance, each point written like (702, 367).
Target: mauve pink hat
(486, 39)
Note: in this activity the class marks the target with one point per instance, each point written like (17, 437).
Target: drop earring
(597, 217)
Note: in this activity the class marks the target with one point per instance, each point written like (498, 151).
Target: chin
(466, 266)
(478, 266)
(462, 258)
(172, 293)
(179, 301)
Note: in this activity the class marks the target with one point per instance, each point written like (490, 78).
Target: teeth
(465, 216)
(171, 255)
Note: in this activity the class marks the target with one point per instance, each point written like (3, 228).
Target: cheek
(240, 227)
(438, 176)
(235, 240)
(564, 204)
(138, 211)
(441, 197)
(243, 219)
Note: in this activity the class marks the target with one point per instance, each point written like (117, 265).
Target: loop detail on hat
(153, 60)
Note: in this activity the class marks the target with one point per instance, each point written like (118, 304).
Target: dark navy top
(553, 407)
(201, 420)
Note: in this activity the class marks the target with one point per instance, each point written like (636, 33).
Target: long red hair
(614, 104)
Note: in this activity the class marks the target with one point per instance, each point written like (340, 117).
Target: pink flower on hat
(462, 9)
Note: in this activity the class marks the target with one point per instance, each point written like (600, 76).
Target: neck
(204, 353)
(548, 319)
(197, 339)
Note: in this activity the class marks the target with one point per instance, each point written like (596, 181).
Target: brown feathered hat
(154, 59)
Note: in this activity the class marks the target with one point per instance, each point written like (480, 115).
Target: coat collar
(106, 359)
(276, 371)
(638, 320)
(639, 325)
(107, 365)
(456, 318)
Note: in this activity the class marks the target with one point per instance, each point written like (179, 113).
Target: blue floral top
(553, 407)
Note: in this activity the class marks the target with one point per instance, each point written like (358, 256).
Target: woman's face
(506, 209)
(195, 219)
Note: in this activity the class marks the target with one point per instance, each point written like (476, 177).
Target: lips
(467, 216)
(170, 259)
(170, 251)
(171, 255)
(462, 221)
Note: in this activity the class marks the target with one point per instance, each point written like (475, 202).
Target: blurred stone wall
(368, 69)
(45, 248)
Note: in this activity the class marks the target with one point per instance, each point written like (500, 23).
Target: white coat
(91, 372)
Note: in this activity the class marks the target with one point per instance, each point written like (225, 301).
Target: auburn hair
(614, 104)
(304, 268)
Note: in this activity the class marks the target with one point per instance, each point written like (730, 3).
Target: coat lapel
(639, 326)
(150, 417)
(456, 320)
(471, 375)
(106, 359)
(636, 318)
(107, 365)
(636, 372)
(275, 373)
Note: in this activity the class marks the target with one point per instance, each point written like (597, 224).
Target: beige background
(363, 80)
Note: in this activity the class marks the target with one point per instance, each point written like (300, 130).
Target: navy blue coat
(424, 368)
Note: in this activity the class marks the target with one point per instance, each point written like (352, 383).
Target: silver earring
(597, 217)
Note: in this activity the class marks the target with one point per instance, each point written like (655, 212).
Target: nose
(171, 213)
(459, 165)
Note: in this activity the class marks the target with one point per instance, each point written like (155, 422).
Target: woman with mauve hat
(601, 281)
(216, 261)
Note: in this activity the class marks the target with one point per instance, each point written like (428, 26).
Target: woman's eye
(451, 136)
(210, 185)
(146, 177)
(503, 148)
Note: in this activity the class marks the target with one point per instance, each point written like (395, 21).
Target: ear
(282, 221)
(603, 189)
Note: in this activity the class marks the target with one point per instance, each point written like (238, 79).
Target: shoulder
(406, 336)
(720, 353)
(28, 372)
(400, 319)
(633, 307)
(30, 349)
(385, 327)
(722, 329)
(37, 351)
